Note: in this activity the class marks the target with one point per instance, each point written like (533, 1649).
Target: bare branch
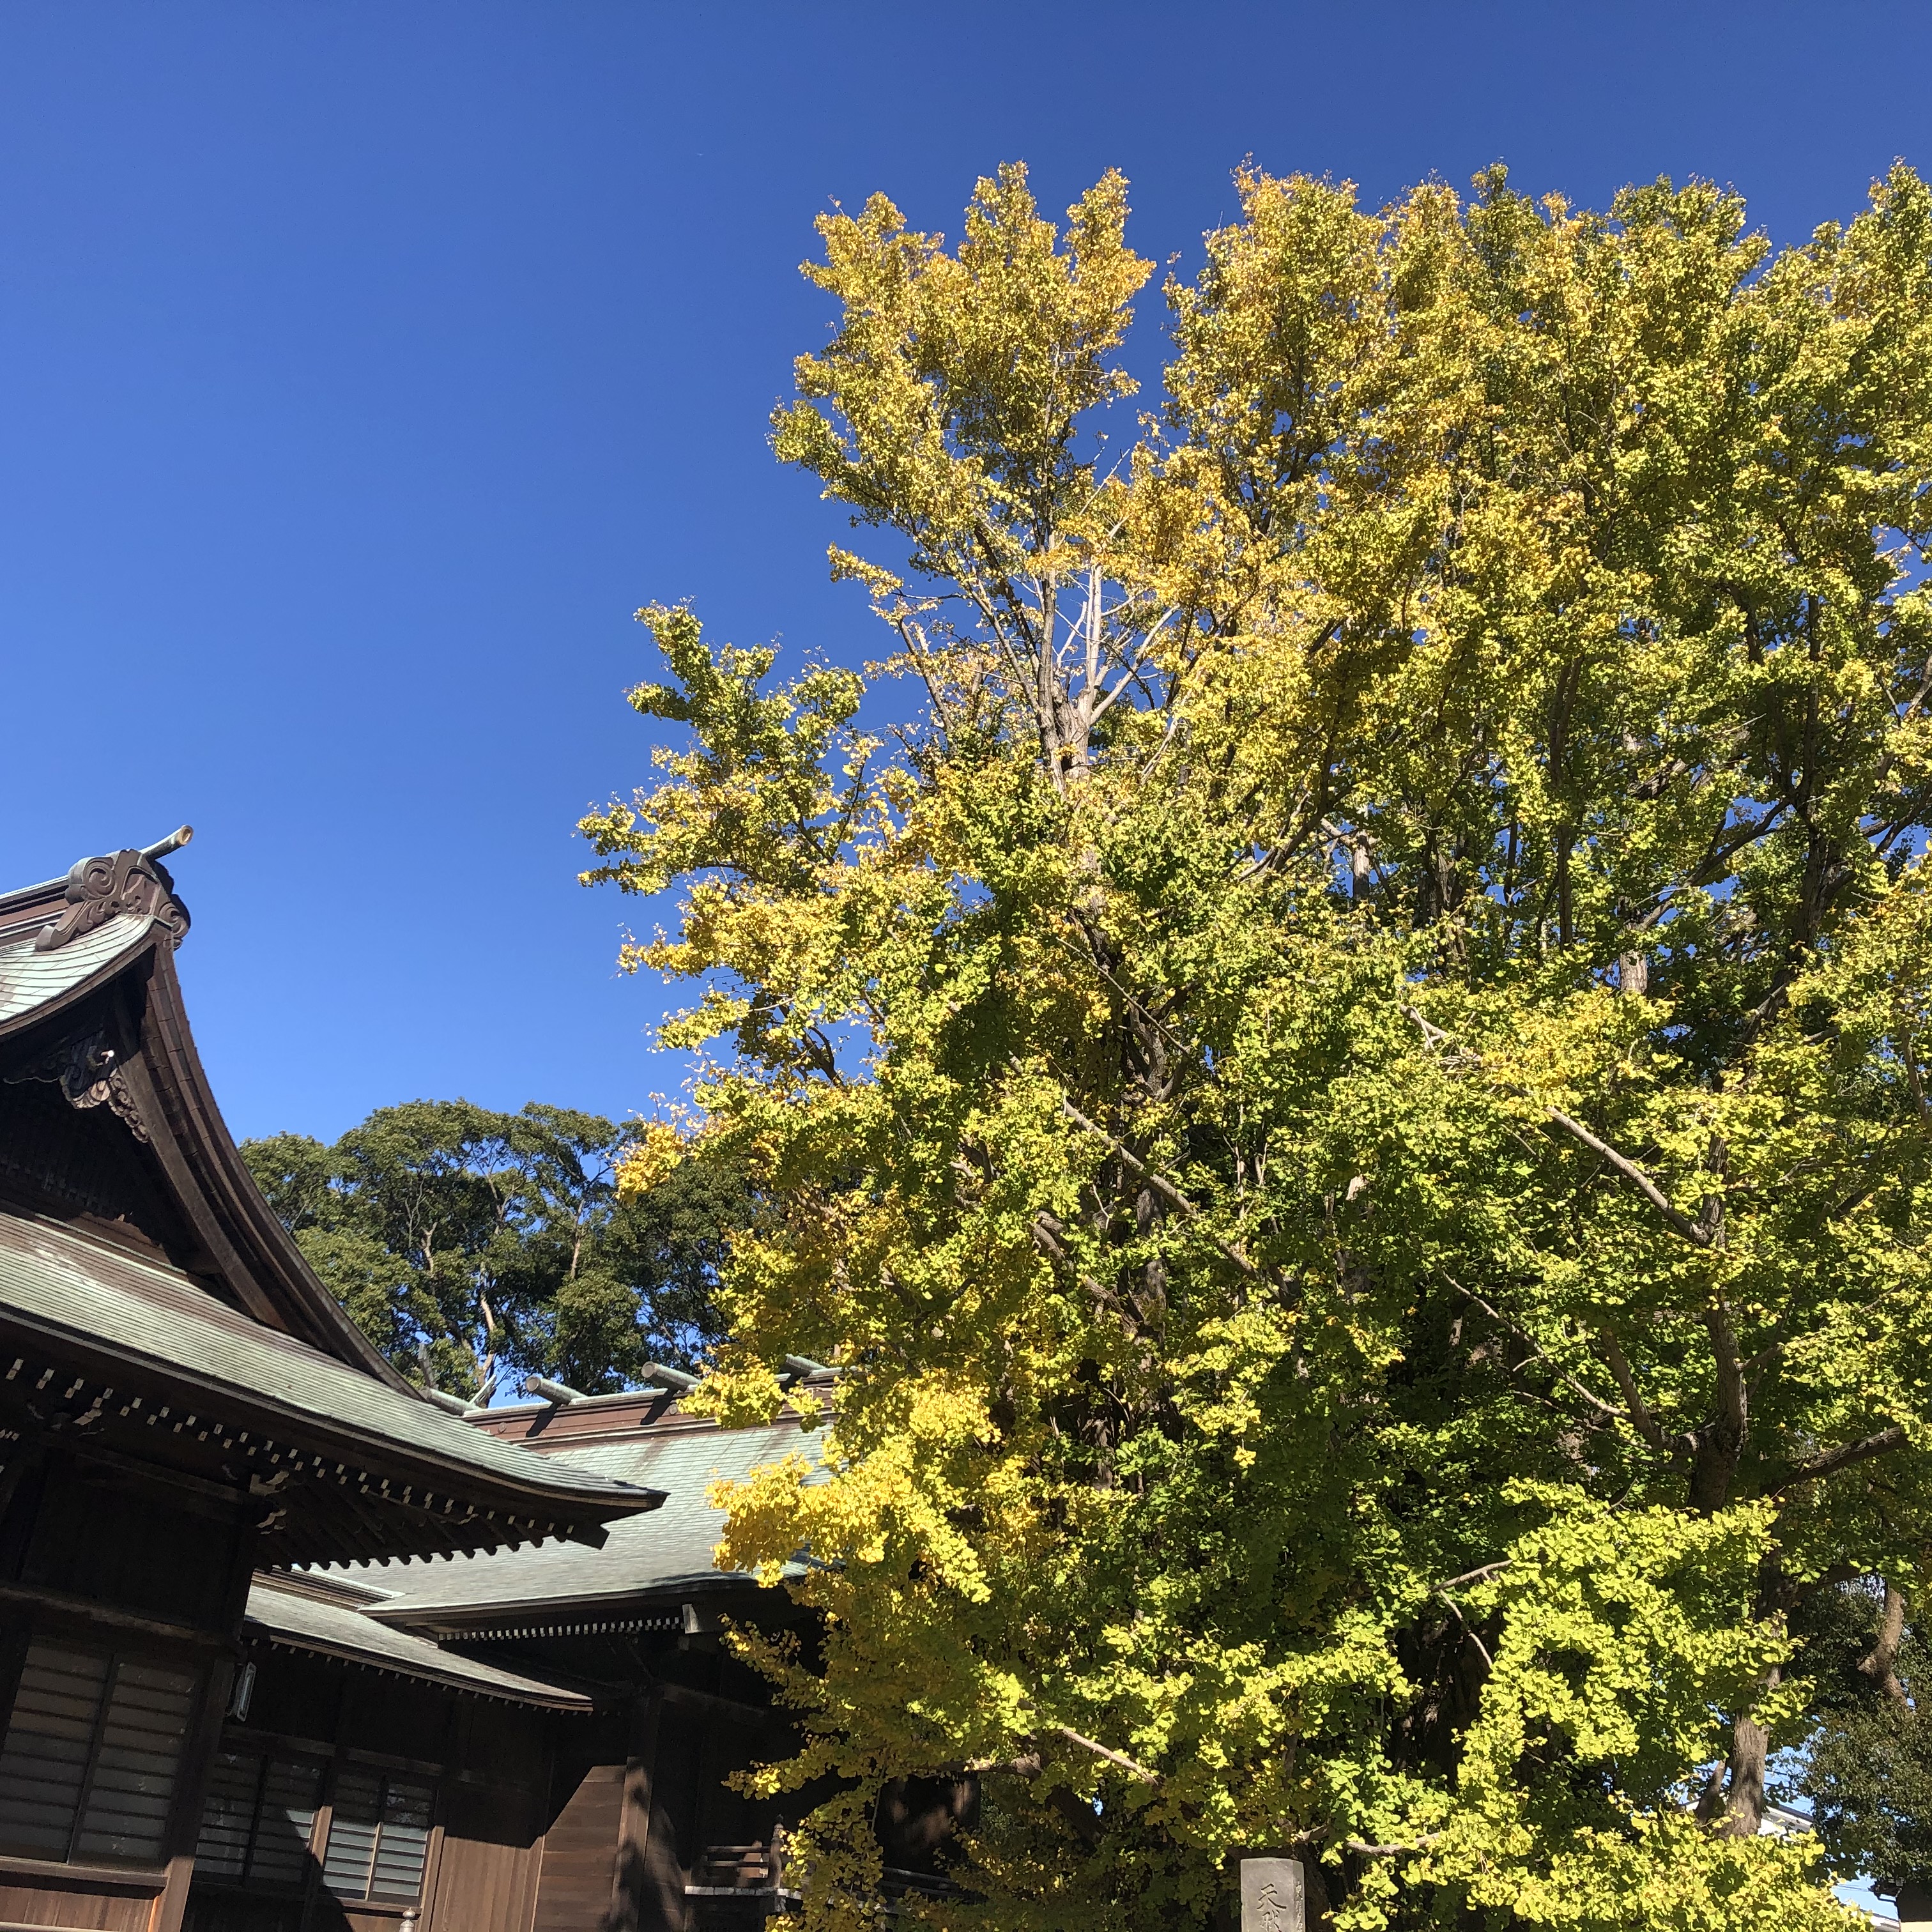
(1703, 1233)
(1680, 1222)
(1723, 850)
(1570, 1381)
(1160, 1184)
(1469, 1629)
(1260, 866)
(1362, 1850)
(1432, 1035)
(1043, 1240)
(1473, 1575)
(1127, 1764)
(1833, 1460)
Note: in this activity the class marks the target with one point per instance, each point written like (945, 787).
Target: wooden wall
(544, 1822)
(108, 1901)
(486, 1873)
(100, 1556)
(632, 1834)
(576, 1882)
(489, 1762)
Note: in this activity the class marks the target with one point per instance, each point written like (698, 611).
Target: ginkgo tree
(1349, 1093)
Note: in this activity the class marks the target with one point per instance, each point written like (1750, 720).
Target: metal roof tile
(66, 1283)
(335, 1631)
(29, 979)
(675, 1552)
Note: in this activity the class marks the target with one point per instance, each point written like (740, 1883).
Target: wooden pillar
(632, 1906)
(202, 1742)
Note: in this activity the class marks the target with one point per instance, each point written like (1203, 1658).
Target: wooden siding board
(101, 1911)
(489, 1836)
(575, 1886)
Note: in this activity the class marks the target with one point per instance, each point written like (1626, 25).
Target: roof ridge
(161, 847)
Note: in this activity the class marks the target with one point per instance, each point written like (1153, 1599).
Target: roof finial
(127, 881)
(173, 842)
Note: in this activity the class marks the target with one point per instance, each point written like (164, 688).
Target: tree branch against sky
(1350, 1099)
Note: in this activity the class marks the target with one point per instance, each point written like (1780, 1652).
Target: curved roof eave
(51, 974)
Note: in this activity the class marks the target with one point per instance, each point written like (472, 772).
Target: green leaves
(469, 1244)
(754, 797)
(955, 377)
(1870, 1778)
(1352, 1107)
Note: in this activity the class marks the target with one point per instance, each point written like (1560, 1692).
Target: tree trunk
(1744, 1805)
(1750, 1747)
(1315, 1893)
(1880, 1662)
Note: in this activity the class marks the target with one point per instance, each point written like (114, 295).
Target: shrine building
(285, 1644)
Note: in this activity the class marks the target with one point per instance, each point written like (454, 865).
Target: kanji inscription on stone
(1271, 1896)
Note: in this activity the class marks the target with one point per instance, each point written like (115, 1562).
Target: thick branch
(1680, 1222)
(1908, 1053)
(1647, 1425)
(1127, 1764)
(1043, 1240)
(1363, 1849)
(1161, 1185)
(1720, 1441)
(1830, 1463)
(1080, 1818)
(1880, 1663)
(1031, 1765)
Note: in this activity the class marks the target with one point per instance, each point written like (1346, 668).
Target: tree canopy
(1346, 1090)
(468, 1245)
(1867, 1765)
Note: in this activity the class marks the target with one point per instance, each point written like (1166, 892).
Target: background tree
(1867, 1770)
(1349, 1097)
(459, 1238)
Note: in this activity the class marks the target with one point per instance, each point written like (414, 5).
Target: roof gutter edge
(575, 1501)
(468, 1619)
(538, 1695)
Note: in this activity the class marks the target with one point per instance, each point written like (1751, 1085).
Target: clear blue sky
(366, 363)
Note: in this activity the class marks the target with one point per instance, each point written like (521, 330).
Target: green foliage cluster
(1866, 1771)
(1349, 1096)
(469, 1244)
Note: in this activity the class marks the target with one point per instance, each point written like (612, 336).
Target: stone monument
(1271, 1896)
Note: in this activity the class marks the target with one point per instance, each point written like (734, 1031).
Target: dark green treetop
(467, 1243)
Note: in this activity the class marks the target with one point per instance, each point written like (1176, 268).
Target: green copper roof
(72, 1289)
(669, 1551)
(29, 980)
(300, 1622)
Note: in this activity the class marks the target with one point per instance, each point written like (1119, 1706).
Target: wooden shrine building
(224, 1703)
(597, 1676)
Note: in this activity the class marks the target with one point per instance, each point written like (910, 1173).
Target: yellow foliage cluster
(1349, 1100)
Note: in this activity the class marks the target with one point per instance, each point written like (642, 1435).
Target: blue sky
(365, 365)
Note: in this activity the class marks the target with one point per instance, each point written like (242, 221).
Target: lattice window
(256, 1823)
(378, 1835)
(91, 1755)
